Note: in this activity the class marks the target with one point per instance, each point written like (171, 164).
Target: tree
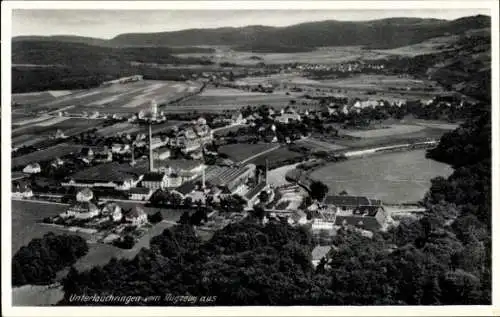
(39, 261)
(318, 190)
(263, 196)
(155, 218)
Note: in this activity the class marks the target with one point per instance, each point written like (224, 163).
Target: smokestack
(203, 179)
(150, 149)
(133, 158)
(266, 171)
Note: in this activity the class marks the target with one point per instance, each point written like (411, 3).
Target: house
(21, 190)
(120, 148)
(84, 195)
(185, 189)
(154, 180)
(136, 216)
(157, 142)
(188, 169)
(33, 168)
(57, 162)
(140, 193)
(59, 134)
(370, 218)
(197, 155)
(81, 210)
(346, 203)
(174, 180)
(111, 175)
(289, 116)
(237, 118)
(252, 196)
(113, 211)
(103, 157)
(162, 154)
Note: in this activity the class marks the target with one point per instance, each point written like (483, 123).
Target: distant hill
(76, 55)
(385, 33)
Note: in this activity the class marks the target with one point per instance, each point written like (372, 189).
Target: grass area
(395, 129)
(45, 155)
(220, 103)
(130, 97)
(323, 55)
(392, 177)
(377, 82)
(228, 92)
(277, 156)
(241, 151)
(355, 142)
(69, 126)
(316, 144)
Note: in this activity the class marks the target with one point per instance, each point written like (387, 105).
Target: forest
(39, 261)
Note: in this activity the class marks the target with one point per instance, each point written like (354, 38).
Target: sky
(109, 23)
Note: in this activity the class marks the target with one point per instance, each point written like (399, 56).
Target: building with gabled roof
(113, 211)
(140, 193)
(154, 180)
(136, 216)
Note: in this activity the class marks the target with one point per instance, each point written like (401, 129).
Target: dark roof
(366, 210)
(186, 188)
(112, 171)
(347, 201)
(153, 177)
(255, 191)
(363, 222)
(139, 190)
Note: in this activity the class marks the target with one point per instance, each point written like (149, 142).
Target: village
(171, 170)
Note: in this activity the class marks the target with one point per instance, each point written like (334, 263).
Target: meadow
(50, 153)
(124, 98)
(241, 151)
(392, 177)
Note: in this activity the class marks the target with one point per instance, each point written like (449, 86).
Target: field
(315, 144)
(323, 55)
(69, 126)
(127, 127)
(242, 151)
(224, 101)
(377, 82)
(385, 138)
(434, 45)
(125, 98)
(279, 155)
(45, 155)
(395, 129)
(228, 92)
(393, 178)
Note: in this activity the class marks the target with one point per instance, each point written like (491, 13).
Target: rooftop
(112, 171)
(153, 177)
(186, 188)
(342, 200)
(139, 190)
(255, 190)
(179, 164)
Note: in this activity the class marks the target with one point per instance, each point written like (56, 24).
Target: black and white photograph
(220, 156)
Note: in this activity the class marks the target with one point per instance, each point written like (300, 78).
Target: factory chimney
(203, 179)
(150, 149)
(266, 170)
(133, 158)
